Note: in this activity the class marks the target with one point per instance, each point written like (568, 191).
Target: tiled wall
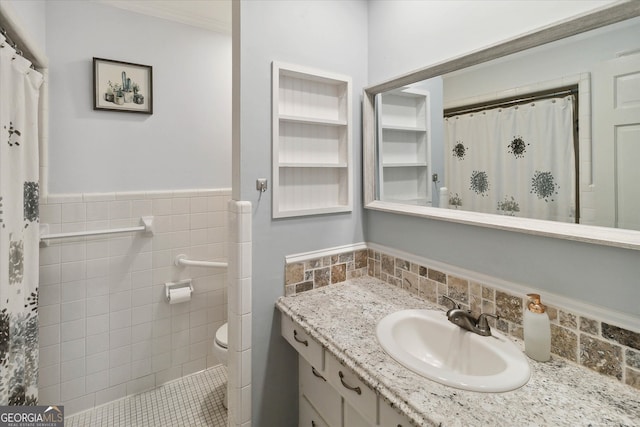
(595, 344)
(240, 312)
(105, 329)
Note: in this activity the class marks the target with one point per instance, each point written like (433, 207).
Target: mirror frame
(623, 238)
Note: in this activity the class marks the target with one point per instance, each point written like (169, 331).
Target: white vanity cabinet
(315, 389)
(330, 394)
(358, 397)
(312, 161)
(403, 146)
(307, 347)
(325, 404)
(309, 416)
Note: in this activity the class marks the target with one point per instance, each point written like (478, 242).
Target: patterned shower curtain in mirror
(516, 161)
(19, 234)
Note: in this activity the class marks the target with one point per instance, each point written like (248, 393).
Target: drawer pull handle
(356, 389)
(317, 374)
(295, 337)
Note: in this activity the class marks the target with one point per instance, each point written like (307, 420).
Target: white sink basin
(428, 344)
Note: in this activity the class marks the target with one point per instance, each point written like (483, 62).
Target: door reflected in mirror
(549, 133)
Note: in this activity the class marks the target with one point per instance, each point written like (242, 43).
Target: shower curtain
(19, 234)
(516, 161)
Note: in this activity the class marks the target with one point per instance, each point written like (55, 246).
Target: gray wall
(599, 275)
(185, 144)
(328, 35)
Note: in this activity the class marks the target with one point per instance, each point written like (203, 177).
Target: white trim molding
(305, 256)
(616, 237)
(210, 15)
(239, 312)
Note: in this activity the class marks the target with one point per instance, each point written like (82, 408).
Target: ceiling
(212, 15)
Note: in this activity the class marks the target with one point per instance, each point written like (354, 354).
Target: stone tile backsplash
(319, 272)
(597, 345)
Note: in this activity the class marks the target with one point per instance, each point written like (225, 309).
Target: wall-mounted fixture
(182, 261)
(261, 185)
(146, 227)
(177, 292)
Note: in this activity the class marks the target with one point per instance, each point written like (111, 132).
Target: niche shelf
(312, 168)
(404, 146)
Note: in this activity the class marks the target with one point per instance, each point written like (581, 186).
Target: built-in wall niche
(404, 139)
(312, 166)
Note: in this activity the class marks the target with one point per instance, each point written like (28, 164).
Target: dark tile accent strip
(623, 336)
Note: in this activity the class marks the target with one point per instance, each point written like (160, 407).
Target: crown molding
(216, 17)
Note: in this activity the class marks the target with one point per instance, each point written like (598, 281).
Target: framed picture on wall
(122, 86)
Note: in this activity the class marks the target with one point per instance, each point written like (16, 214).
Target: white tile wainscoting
(105, 329)
(240, 312)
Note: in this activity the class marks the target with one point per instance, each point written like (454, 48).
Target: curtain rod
(11, 22)
(13, 44)
(509, 102)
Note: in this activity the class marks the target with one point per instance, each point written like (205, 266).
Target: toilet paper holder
(186, 283)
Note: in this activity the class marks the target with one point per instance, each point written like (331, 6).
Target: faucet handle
(482, 321)
(455, 304)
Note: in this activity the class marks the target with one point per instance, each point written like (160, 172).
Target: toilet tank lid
(221, 335)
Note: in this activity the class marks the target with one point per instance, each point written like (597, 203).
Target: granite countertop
(343, 318)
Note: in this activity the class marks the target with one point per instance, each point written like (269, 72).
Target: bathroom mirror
(486, 163)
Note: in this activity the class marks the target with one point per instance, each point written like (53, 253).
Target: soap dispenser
(537, 330)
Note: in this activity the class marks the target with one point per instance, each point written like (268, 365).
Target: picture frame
(122, 86)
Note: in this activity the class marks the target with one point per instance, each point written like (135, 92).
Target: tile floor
(194, 400)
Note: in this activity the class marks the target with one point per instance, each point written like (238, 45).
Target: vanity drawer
(302, 342)
(389, 417)
(308, 416)
(355, 392)
(322, 396)
(353, 418)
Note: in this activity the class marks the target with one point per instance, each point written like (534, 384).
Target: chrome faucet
(465, 319)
